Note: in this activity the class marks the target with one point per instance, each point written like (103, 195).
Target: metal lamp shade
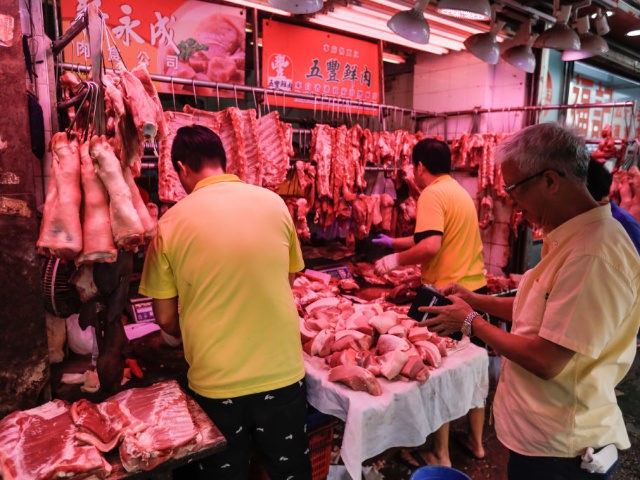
(559, 37)
(591, 45)
(470, 9)
(298, 7)
(411, 25)
(521, 57)
(484, 47)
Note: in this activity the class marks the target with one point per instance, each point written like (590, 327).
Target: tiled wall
(495, 239)
(460, 81)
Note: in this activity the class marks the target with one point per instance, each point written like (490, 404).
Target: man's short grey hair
(546, 145)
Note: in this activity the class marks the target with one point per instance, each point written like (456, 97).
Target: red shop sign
(187, 39)
(313, 62)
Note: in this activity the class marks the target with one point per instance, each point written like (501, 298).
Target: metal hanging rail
(533, 108)
(320, 100)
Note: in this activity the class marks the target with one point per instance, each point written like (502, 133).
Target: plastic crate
(320, 439)
(320, 431)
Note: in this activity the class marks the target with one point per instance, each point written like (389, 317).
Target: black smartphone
(427, 296)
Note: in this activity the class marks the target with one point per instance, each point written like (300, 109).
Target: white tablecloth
(406, 412)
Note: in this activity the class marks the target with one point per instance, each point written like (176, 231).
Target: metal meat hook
(173, 95)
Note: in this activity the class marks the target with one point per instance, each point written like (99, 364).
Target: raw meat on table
(170, 429)
(40, 444)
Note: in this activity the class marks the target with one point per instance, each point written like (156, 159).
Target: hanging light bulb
(484, 45)
(560, 36)
(298, 7)
(411, 24)
(469, 9)
(519, 52)
(590, 44)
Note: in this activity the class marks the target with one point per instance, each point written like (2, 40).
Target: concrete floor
(493, 466)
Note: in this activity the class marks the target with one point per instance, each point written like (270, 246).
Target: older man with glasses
(574, 319)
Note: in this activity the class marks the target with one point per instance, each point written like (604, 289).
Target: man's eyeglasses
(510, 188)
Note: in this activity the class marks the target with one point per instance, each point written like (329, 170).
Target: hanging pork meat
(60, 230)
(170, 189)
(97, 242)
(127, 228)
(274, 150)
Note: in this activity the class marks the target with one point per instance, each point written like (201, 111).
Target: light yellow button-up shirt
(582, 295)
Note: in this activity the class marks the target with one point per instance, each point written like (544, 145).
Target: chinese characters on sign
(188, 39)
(591, 121)
(319, 63)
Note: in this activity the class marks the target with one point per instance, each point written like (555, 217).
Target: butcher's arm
(541, 357)
(166, 313)
(403, 243)
(422, 252)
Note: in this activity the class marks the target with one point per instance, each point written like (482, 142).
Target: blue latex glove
(383, 240)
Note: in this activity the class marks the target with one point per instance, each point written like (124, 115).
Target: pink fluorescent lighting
(392, 58)
(378, 25)
(462, 14)
(260, 6)
(433, 18)
(367, 11)
(345, 15)
(375, 34)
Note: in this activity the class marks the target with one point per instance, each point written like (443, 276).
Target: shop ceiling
(369, 18)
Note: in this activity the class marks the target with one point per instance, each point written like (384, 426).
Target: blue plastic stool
(437, 472)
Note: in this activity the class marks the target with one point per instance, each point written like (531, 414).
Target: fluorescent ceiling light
(484, 45)
(469, 9)
(298, 7)
(590, 44)
(411, 24)
(361, 20)
(433, 18)
(392, 58)
(260, 6)
(367, 15)
(633, 33)
(560, 36)
(374, 33)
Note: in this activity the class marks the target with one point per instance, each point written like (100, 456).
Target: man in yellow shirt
(226, 254)
(575, 317)
(448, 247)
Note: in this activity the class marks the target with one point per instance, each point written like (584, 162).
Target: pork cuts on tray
(40, 444)
(151, 425)
(170, 430)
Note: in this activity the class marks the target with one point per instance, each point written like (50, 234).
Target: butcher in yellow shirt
(448, 247)
(575, 317)
(225, 254)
